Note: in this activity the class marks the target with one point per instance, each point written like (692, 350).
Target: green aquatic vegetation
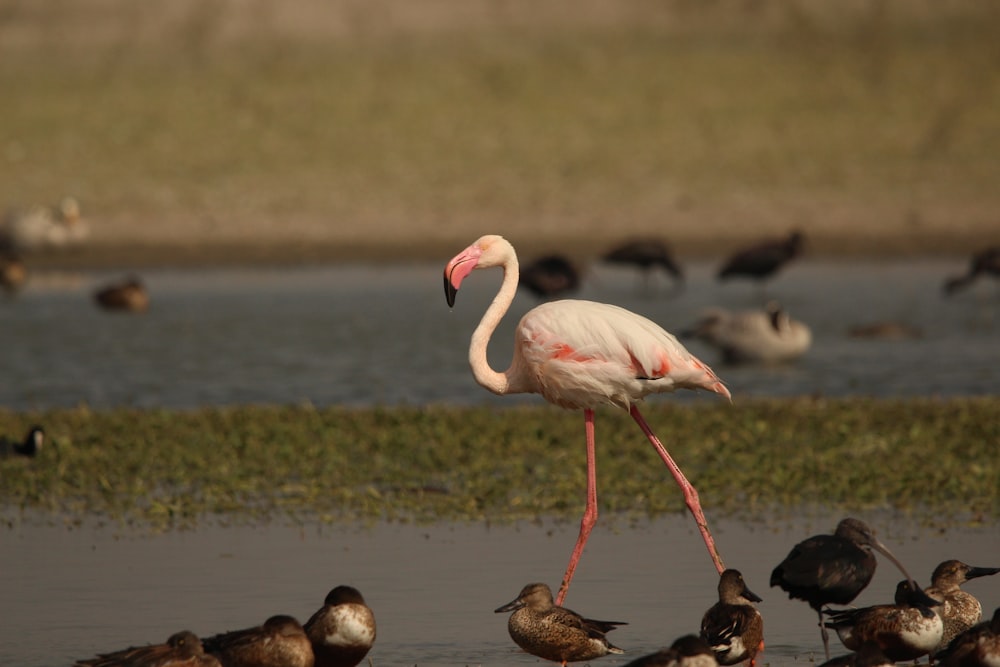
(161, 468)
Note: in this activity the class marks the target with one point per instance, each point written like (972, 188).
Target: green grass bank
(933, 459)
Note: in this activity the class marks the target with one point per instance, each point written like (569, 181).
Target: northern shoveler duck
(733, 626)
(182, 649)
(869, 655)
(555, 633)
(550, 276)
(979, 646)
(686, 651)
(342, 631)
(646, 254)
(279, 642)
(29, 447)
(762, 260)
(984, 263)
(832, 569)
(127, 295)
(766, 336)
(959, 610)
(13, 273)
(43, 227)
(905, 630)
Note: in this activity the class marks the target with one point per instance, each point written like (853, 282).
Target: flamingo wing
(581, 354)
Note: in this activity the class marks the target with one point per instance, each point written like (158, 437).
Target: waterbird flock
(583, 355)
(339, 634)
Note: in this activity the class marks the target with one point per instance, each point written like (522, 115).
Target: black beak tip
(449, 292)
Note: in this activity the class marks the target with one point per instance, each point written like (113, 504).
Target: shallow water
(70, 593)
(363, 335)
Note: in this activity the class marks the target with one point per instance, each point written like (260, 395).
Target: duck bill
(750, 595)
(513, 605)
(981, 572)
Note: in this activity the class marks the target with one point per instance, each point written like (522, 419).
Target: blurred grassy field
(930, 459)
(388, 128)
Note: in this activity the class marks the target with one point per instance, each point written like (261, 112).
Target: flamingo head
(486, 252)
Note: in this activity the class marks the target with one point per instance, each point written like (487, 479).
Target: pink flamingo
(581, 355)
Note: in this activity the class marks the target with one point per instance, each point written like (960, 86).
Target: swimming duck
(686, 651)
(279, 642)
(29, 447)
(766, 336)
(128, 295)
(13, 273)
(342, 631)
(555, 633)
(959, 610)
(732, 626)
(905, 630)
(182, 649)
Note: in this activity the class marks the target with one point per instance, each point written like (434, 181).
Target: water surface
(70, 593)
(365, 335)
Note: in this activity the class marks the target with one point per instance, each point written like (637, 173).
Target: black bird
(29, 447)
(832, 569)
(550, 276)
(984, 262)
(761, 261)
(129, 295)
(646, 254)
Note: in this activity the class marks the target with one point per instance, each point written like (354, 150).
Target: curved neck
(496, 382)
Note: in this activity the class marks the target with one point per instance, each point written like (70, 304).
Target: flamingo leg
(590, 513)
(690, 494)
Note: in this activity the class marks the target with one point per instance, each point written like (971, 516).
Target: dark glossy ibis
(762, 260)
(906, 630)
(832, 569)
(983, 263)
(733, 626)
(550, 276)
(646, 254)
(959, 609)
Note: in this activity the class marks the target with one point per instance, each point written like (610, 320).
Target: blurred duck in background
(550, 276)
(763, 336)
(129, 295)
(43, 227)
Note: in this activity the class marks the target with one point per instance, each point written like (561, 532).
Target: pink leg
(690, 495)
(589, 514)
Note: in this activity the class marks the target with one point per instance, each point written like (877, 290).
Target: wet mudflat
(71, 593)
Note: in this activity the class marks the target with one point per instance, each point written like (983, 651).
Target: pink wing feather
(582, 354)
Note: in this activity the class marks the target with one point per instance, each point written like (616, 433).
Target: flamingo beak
(457, 269)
